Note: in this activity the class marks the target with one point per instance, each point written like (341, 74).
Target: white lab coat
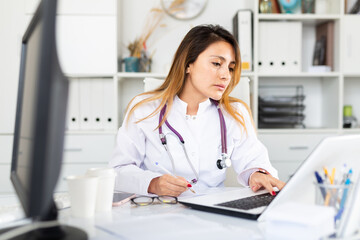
(138, 147)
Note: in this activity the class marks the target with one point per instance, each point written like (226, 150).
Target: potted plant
(139, 59)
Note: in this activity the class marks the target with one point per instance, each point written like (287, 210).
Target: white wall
(165, 40)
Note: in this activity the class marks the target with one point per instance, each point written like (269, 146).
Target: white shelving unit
(326, 93)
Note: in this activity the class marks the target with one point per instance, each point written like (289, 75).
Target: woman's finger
(267, 185)
(259, 180)
(255, 187)
(277, 183)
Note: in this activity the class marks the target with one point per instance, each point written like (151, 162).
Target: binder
(73, 112)
(108, 105)
(280, 47)
(97, 104)
(242, 28)
(275, 6)
(327, 30)
(350, 54)
(85, 104)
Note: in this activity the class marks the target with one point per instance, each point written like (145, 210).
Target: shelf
(243, 74)
(302, 74)
(352, 130)
(352, 75)
(247, 74)
(140, 75)
(91, 132)
(160, 75)
(300, 131)
(306, 18)
(90, 75)
(6, 134)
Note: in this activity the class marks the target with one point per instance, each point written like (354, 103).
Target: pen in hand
(167, 171)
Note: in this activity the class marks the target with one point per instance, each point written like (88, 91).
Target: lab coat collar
(182, 106)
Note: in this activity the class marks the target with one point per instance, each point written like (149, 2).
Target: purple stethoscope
(224, 162)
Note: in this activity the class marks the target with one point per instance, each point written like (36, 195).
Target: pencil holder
(333, 195)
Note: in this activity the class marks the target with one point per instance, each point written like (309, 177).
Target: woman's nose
(225, 73)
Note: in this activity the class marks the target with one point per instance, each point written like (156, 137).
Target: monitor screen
(40, 116)
(27, 106)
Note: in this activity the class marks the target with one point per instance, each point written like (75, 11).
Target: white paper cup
(105, 189)
(82, 190)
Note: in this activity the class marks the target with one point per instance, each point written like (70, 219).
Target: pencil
(168, 172)
(332, 179)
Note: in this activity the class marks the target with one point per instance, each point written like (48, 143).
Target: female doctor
(191, 127)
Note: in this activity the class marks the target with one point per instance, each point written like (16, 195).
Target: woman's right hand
(168, 185)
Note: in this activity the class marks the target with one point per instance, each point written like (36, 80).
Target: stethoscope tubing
(222, 127)
(162, 113)
(164, 142)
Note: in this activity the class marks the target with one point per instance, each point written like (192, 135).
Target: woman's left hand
(260, 180)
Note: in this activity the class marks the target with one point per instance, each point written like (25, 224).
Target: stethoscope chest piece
(224, 162)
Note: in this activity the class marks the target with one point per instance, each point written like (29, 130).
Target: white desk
(164, 222)
(160, 221)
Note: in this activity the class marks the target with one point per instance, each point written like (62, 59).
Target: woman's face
(211, 73)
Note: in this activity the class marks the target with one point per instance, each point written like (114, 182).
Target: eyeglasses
(144, 200)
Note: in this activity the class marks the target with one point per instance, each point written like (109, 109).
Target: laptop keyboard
(249, 202)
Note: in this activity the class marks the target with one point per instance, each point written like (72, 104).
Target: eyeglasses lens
(143, 201)
(168, 200)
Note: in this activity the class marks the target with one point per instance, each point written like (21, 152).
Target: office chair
(241, 91)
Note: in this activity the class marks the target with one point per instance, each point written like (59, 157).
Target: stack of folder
(281, 107)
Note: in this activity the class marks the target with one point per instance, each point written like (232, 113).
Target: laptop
(331, 152)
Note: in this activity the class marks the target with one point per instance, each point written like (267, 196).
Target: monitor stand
(59, 232)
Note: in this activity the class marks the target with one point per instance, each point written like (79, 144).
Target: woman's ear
(187, 69)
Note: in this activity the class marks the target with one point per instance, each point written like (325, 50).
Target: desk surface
(161, 221)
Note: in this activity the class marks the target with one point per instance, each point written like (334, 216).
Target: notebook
(331, 152)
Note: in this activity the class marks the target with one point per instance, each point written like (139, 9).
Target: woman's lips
(220, 86)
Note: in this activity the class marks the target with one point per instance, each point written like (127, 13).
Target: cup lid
(105, 171)
(80, 177)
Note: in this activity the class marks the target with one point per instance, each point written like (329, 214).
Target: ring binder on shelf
(243, 32)
(280, 47)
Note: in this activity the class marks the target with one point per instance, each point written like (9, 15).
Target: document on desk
(175, 226)
(199, 191)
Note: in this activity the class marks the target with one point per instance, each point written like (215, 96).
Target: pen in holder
(333, 195)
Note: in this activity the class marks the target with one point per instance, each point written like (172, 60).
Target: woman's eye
(216, 64)
(231, 69)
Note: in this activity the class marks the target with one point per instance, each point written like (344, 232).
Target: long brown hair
(193, 44)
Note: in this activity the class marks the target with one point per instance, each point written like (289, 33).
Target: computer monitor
(40, 126)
